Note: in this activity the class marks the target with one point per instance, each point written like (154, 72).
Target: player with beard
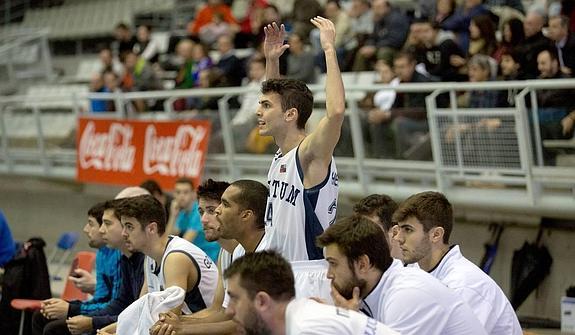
(365, 278)
(262, 301)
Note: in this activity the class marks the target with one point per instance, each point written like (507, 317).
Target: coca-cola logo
(178, 155)
(107, 151)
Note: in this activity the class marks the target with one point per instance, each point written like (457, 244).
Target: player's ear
(436, 234)
(262, 301)
(291, 115)
(362, 264)
(152, 228)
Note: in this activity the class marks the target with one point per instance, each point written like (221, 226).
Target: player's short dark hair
(253, 196)
(152, 186)
(293, 94)
(356, 236)
(97, 211)
(212, 189)
(144, 208)
(377, 204)
(431, 209)
(265, 271)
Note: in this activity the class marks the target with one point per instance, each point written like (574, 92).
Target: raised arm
(274, 47)
(319, 145)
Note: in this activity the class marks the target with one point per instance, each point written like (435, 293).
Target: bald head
(533, 23)
(132, 191)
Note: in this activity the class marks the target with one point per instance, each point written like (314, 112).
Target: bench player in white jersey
(241, 218)
(170, 260)
(302, 178)
(379, 208)
(425, 223)
(261, 287)
(407, 300)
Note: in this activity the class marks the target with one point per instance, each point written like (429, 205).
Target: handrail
(528, 188)
(406, 87)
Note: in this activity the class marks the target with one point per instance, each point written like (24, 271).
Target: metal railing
(492, 167)
(25, 53)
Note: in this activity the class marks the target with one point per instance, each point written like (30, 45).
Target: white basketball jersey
(305, 316)
(197, 297)
(295, 216)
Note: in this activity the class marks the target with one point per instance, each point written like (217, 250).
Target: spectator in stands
(270, 14)
(185, 218)
(564, 42)
(210, 32)
(184, 50)
(444, 10)
(7, 245)
(377, 123)
(300, 61)
(482, 36)
(145, 46)
(249, 14)
(303, 11)
(208, 78)
(510, 70)
(244, 120)
(425, 9)
(97, 86)
(361, 22)
(139, 74)
(343, 33)
(408, 111)
(534, 42)
(438, 49)
(515, 4)
(164, 198)
(231, 66)
(124, 40)
(379, 208)
(553, 104)
(479, 70)
(389, 33)
(111, 85)
(512, 36)
(460, 21)
(206, 15)
(108, 62)
(201, 61)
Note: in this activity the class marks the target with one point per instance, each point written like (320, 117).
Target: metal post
(537, 130)
(5, 150)
(40, 139)
(357, 142)
(431, 107)
(46, 58)
(458, 146)
(227, 134)
(521, 129)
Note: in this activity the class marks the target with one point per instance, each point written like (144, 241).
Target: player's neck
(372, 280)
(157, 248)
(289, 140)
(124, 250)
(429, 262)
(251, 240)
(228, 245)
(279, 321)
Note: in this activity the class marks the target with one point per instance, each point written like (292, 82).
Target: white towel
(137, 318)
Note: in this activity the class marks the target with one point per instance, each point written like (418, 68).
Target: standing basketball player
(302, 179)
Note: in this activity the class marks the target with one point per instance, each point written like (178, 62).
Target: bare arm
(317, 148)
(180, 271)
(274, 47)
(171, 226)
(190, 235)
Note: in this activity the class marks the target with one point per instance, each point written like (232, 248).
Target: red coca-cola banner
(124, 152)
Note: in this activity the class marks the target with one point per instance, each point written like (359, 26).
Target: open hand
(326, 32)
(340, 301)
(274, 45)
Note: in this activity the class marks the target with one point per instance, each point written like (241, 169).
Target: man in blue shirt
(52, 317)
(7, 246)
(185, 218)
